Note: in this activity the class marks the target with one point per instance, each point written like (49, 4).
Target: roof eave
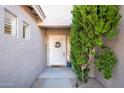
(39, 11)
(55, 26)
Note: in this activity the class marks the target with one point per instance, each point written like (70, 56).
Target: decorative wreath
(57, 44)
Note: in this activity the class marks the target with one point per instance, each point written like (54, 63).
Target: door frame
(48, 47)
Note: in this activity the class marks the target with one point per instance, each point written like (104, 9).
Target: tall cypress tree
(90, 26)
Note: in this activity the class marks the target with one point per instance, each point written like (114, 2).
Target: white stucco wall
(21, 61)
(57, 15)
(117, 45)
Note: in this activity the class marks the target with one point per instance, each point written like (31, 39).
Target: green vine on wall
(91, 26)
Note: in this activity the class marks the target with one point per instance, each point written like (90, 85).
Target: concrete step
(54, 83)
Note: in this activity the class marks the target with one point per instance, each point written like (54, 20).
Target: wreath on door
(57, 44)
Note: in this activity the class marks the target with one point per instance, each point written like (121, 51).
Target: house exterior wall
(21, 61)
(57, 15)
(117, 45)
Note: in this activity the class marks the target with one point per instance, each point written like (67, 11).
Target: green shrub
(105, 61)
(90, 26)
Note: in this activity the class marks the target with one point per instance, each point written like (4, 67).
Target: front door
(57, 50)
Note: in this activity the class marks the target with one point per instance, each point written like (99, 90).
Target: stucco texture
(117, 45)
(21, 61)
(57, 15)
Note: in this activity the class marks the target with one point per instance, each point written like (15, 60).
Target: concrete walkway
(61, 77)
(58, 72)
(56, 77)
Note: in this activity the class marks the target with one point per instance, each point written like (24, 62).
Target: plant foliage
(91, 25)
(105, 61)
